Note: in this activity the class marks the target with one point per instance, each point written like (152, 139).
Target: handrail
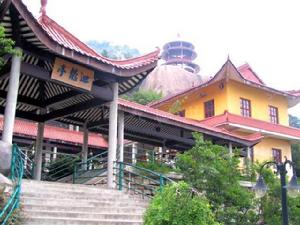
(82, 170)
(138, 179)
(100, 155)
(16, 174)
(28, 165)
(63, 168)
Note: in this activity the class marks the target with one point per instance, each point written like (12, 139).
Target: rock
(5, 157)
(6, 185)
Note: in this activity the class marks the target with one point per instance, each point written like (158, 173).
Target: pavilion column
(121, 135)
(249, 153)
(134, 153)
(38, 156)
(54, 153)
(11, 99)
(230, 149)
(85, 146)
(113, 127)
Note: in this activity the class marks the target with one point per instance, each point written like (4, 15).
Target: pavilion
(59, 78)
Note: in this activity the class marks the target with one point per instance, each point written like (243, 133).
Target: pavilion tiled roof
(159, 113)
(229, 118)
(29, 129)
(57, 39)
(66, 39)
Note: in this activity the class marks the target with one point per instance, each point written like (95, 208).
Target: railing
(28, 166)
(139, 180)
(94, 167)
(60, 168)
(16, 174)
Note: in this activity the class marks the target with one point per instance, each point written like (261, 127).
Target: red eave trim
(229, 118)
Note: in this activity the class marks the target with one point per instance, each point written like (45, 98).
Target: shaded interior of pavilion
(29, 90)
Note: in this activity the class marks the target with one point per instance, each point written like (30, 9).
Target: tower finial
(43, 7)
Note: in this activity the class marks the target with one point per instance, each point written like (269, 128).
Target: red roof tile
(295, 92)
(248, 74)
(163, 114)
(26, 128)
(67, 40)
(52, 35)
(229, 118)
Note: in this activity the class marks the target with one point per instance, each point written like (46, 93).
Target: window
(245, 106)
(273, 111)
(180, 113)
(277, 155)
(209, 108)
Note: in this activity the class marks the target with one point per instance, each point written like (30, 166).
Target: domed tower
(180, 53)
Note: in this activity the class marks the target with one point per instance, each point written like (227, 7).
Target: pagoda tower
(180, 53)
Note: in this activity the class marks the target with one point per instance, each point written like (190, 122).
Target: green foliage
(177, 106)
(210, 169)
(177, 204)
(143, 97)
(111, 51)
(156, 167)
(270, 204)
(6, 46)
(294, 121)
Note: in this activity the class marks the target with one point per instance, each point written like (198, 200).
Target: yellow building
(237, 100)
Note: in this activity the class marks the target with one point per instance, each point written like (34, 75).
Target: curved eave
(125, 68)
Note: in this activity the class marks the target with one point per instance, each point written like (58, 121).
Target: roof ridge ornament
(43, 8)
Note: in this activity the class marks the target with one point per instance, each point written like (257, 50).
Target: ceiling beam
(60, 98)
(23, 99)
(105, 92)
(72, 109)
(156, 134)
(24, 115)
(97, 123)
(4, 7)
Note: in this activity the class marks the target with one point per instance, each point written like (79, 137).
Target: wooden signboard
(72, 74)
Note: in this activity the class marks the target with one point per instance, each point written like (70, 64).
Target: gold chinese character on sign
(72, 74)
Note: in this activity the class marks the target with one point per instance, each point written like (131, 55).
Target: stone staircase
(48, 203)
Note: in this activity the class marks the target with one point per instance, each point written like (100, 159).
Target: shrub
(177, 204)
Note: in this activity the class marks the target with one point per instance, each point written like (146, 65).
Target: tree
(111, 51)
(270, 204)
(177, 204)
(211, 170)
(143, 97)
(6, 46)
(294, 121)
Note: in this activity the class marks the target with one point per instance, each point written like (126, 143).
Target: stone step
(126, 209)
(65, 187)
(75, 221)
(83, 215)
(73, 195)
(87, 202)
(47, 203)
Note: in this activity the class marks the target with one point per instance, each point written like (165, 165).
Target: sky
(263, 33)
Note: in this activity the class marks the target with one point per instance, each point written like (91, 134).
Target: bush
(177, 204)
(211, 170)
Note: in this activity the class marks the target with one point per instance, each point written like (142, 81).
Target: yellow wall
(263, 150)
(260, 101)
(228, 98)
(193, 104)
